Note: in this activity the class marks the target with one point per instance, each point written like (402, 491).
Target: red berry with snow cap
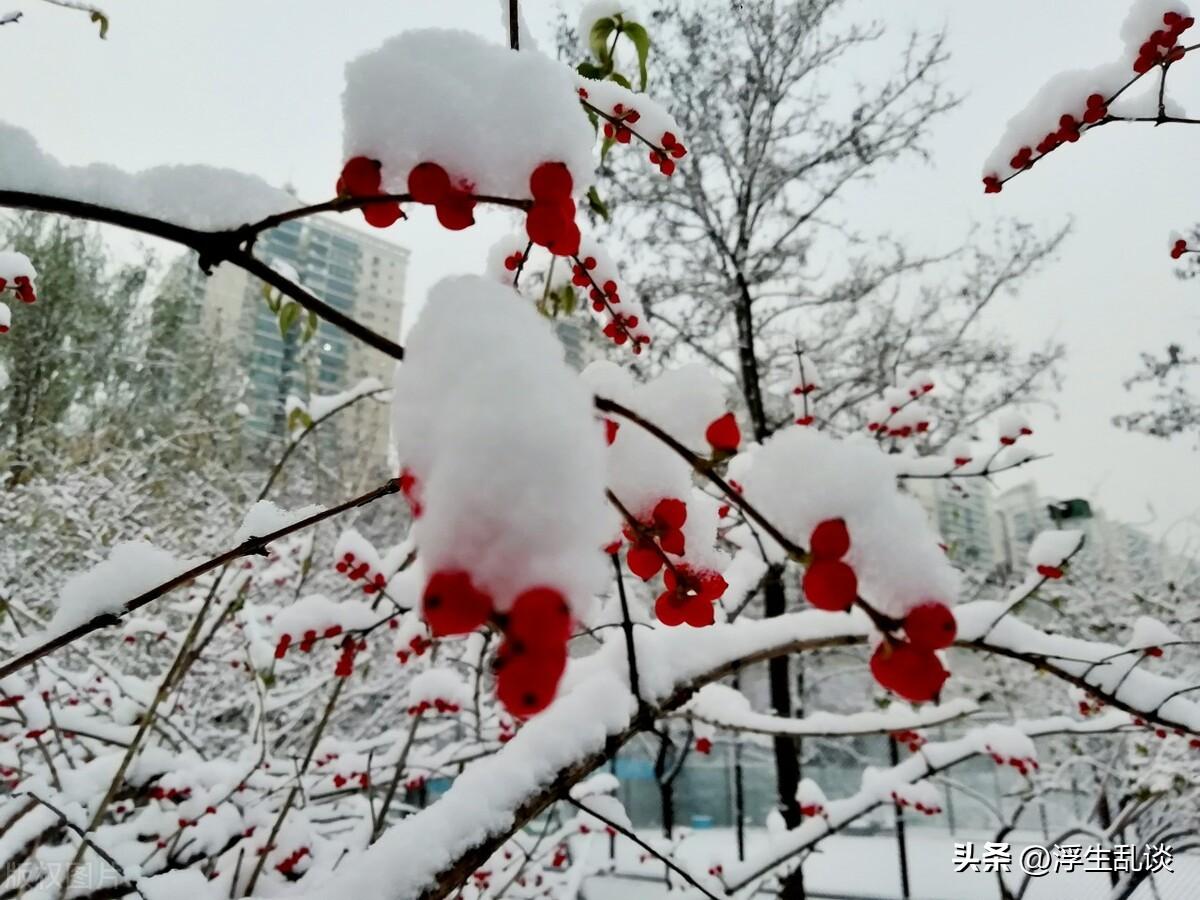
(428, 183)
(453, 605)
(551, 181)
(930, 626)
(361, 177)
(830, 539)
(540, 617)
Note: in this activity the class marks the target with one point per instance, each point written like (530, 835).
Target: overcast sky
(255, 85)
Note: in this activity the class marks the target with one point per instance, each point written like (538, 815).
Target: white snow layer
(195, 196)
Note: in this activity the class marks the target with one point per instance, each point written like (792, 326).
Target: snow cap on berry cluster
(683, 402)
(438, 684)
(318, 614)
(1145, 17)
(653, 120)
(1053, 548)
(486, 115)
(196, 196)
(14, 265)
(801, 477)
(501, 437)
(1150, 632)
(1005, 741)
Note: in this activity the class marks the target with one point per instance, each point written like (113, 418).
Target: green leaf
(566, 300)
(605, 147)
(621, 80)
(641, 40)
(598, 40)
(299, 418)
(598, 206)
(289, 315)
(311, 322)
(591, 70)
(100, 17)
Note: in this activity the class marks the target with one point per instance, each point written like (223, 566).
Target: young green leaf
(641, 40)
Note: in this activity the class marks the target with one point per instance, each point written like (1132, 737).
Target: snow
(321, 405)
(487, 115)
(131, 569)
(725, 707)
(194, 196)
(317, 613)
(14, 265)
(5, 317)
(1053, 548)
(438, 684)
(499, 433)
(1150, 632)
(1144, 18)
(801, 477)
(265, 517)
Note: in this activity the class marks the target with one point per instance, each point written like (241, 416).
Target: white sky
(255, 85)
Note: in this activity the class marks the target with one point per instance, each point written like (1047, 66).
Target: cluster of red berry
(415, 783)
(415, 647)
(1178, 248)
(307, 641)
(918, 805)
(363, 779)
(812, 809)
(356, 570)
(533, 654)
(660, 532)
(439, 704)
(22, 287)
(1090, 705)
(716, 871)
(1023, 764)
(913, 740)
(287, 866)
(704, 745)
(829, 583)
(362, 178)
(604, 295)
(1163, 45)
(513, 261)
(174, 795)
(550, 222)
(1070, 129)
(345, 663)
(1009, 439)
(911, 668)
(671, 150)
(690, 597)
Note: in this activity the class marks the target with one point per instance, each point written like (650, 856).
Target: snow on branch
(877, 789)
(727, 708)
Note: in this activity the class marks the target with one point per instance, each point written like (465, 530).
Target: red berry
(382, 215)
(930, 626)
(428, 183)
(991, 183)
(723, 434)
(539, 618)
(704, 745)
(914, 674)
(643, 560)
(550, 181)
(456, 210)
(453, 605)
(545, 224)
(361, 177)
(610, 431)
(830, 540)
(670, 513)
(830, 585)
(1050, 572)
(526, 682)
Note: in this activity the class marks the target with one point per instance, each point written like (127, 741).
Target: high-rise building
(962, 515)
(354, 272)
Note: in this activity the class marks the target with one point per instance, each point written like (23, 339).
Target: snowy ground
(867, 868)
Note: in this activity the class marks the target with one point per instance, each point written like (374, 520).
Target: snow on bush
(487, 115)
(497, 437)
(195, 196)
